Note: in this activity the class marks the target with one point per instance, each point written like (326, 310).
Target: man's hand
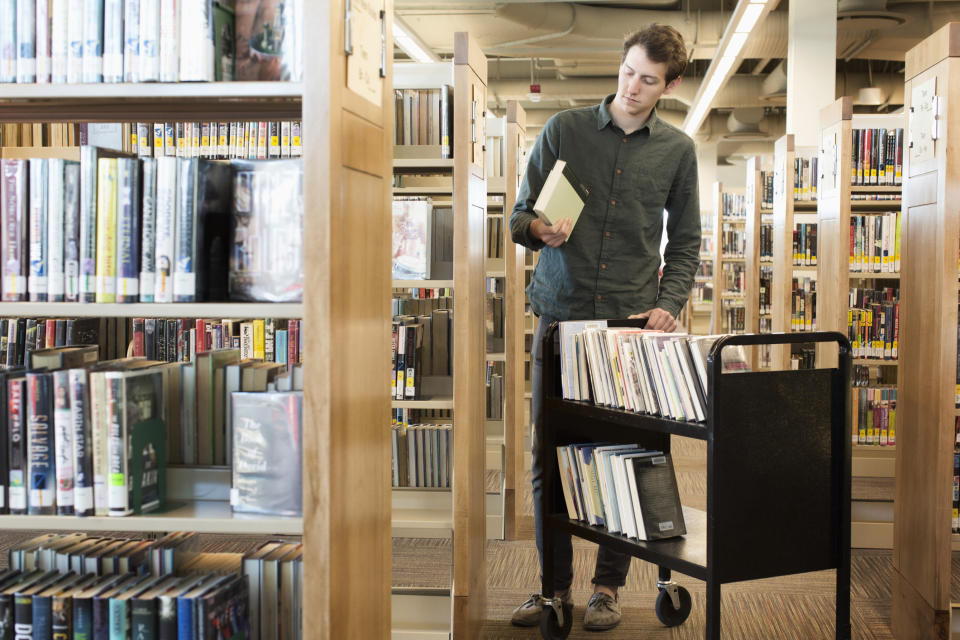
(551, 235)
(658, 318)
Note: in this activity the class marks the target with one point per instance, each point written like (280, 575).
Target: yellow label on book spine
(259, 346)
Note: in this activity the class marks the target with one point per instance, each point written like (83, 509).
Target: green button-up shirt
(608, 268)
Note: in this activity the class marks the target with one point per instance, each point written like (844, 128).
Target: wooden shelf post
(754, 202)
(716, 321)
(514, 305)
(930, 238)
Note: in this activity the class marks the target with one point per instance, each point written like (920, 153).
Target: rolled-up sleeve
(542, 157)
(682, 253)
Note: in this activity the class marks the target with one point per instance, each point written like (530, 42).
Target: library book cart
(778, 479)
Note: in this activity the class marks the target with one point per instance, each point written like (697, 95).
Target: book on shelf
(109, 41)
(874, 415)
(562, 196)
(423, 118)
(803, 304)
(421, 454)
(806, 178)
(733, 205)
(873, 323)
(421, 353)
(877, 156)
(875, 243)
(623, 488)
(805, 245)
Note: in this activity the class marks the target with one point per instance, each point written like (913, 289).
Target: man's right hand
(551, 235)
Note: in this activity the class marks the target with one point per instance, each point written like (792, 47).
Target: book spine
(165, 228)
(148, 240)
(113, 40)
(119, 615)
(26, 41)
(185, 619)
(88, 224)
(169, 46)
(63, 442)
(80, 433)
(196, 41)
(143, 619)
(75, 25)
(37, 281)
(93, 13)
(71, 231)
(55, 230)
(42, 617)
(62, 618)
(22, 617)
(43, 41)
(296, 147)
(285, 139)
(8, 41)
(273, 150)
(128, 231)
(13, 193)
(131, 40)
(17, 446)
(59, 40)
(100, 618)
(117, 474)
(107, 188)
(185, 272)
(149, 34)
(40, 439)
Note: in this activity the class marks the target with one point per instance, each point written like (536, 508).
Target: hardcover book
(269, 40)
(656, 503)
(412, 219)
(562, 196)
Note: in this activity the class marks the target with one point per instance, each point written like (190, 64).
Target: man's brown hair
(662, 43)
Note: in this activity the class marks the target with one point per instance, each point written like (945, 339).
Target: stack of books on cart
(624, 488)
(639, 370)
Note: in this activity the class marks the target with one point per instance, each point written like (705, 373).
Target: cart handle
(753, 339)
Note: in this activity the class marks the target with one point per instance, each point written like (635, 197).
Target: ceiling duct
(744, 124)
(775, 85)
(868, 15)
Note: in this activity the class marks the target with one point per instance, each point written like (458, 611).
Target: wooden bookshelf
(717, 324)
(154, 310)
(834, 276)
(345, 523)
(788, 211)
(514, 324)
(756, 218)
(930, 237)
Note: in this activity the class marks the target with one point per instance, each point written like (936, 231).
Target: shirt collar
(604, 118)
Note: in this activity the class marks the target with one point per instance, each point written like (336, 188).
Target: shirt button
(599, 297)
(613, 203)
(619, 171)
(603, 266)
(606, 233)
(624, 139)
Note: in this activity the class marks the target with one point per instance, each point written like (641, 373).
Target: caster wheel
(551, 629)
(667, 613)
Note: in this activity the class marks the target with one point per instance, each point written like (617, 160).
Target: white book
(37, 275)
(188, 415)
(566, 481)
(169, 45)
(8, 41)
(26, 41)
(618, 467)
(63, 440)
(149, 34)
(677, 408)
(59, 40)
(131, 40)
(607, 489)
(43, 41)
(568, 355)
(676, 376)
(56, 273)
(613, 366)
(113, 41)
(75, 25)
(653, 370)
(649, 400)
(196, 41)
(93, 41)
(679, 345)
(165, 228)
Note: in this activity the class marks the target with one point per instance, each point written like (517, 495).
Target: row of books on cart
(640, 370)
(623, 488)
(78, 586)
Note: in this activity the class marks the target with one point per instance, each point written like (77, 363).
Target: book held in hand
(562, 196)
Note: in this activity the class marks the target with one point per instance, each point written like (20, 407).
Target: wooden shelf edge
(155, 309)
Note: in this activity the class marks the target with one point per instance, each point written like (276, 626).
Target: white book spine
(148, 242)
(59, 40)
(63, 441)
(117, 472)
(165, 228)
(26, 41)
(75, 24)
(8, 41)
(43, 41)
(113, 41)
(131, 40)
(196, 41)
(55, 231)
(93, 41)
(149, 33)
(37, 275)
(169, 42)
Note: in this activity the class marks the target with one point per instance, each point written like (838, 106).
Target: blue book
(43, 605)
(41, 476)
(83, 606)
(280, 340)
(101, 605)
(187, 606)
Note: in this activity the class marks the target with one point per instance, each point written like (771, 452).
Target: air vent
(867, 15)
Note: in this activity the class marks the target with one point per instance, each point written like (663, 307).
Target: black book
(150, 338)
(82, 603)
(223, 613)
(43, 605)
(16, 409)
(61, 608)
(171, 340)
(5, 440)
(213, 215)
(101, 604)
(656, 499)
(41, 476)
(166, 606)
(7, 608)
(83, 331)
(23, 603)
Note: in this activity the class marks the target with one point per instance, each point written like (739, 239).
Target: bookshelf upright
(346, 222)
(923, 606)
(872, 520)
(514, 480)
(729, 225)
(758, 267)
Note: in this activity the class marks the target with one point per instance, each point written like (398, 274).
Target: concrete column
(707, 166)
(811, 66)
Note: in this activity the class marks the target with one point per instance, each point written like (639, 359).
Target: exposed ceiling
(573, 51)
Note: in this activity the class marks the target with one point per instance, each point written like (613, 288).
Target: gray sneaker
(603, 612)
(528, 614)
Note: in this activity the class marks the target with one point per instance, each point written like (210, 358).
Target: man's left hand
(658, 318)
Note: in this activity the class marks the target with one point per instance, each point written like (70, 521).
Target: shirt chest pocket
(650, 193)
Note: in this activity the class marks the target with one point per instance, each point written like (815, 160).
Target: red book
(139, 337)
(201, 334)
(293, 342)
(50, 334)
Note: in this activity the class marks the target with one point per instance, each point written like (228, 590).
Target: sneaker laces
(601, 600)
(535, 600)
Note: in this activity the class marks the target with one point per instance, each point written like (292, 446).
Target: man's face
(641, 82)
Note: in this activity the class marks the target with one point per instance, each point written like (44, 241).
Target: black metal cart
(778, 479)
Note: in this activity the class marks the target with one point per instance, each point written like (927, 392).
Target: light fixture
(411, 44)
(746, 16)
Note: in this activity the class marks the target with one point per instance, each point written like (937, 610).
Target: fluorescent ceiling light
(737, 40)
(749, 18)
(408, 41)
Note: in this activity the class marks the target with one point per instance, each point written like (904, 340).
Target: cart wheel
(667, 613)
(550, 629)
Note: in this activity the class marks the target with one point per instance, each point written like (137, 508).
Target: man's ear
(672, 85)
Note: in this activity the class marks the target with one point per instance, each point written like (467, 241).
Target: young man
(635, 167)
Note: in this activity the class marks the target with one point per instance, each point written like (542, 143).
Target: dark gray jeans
(612, 566)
